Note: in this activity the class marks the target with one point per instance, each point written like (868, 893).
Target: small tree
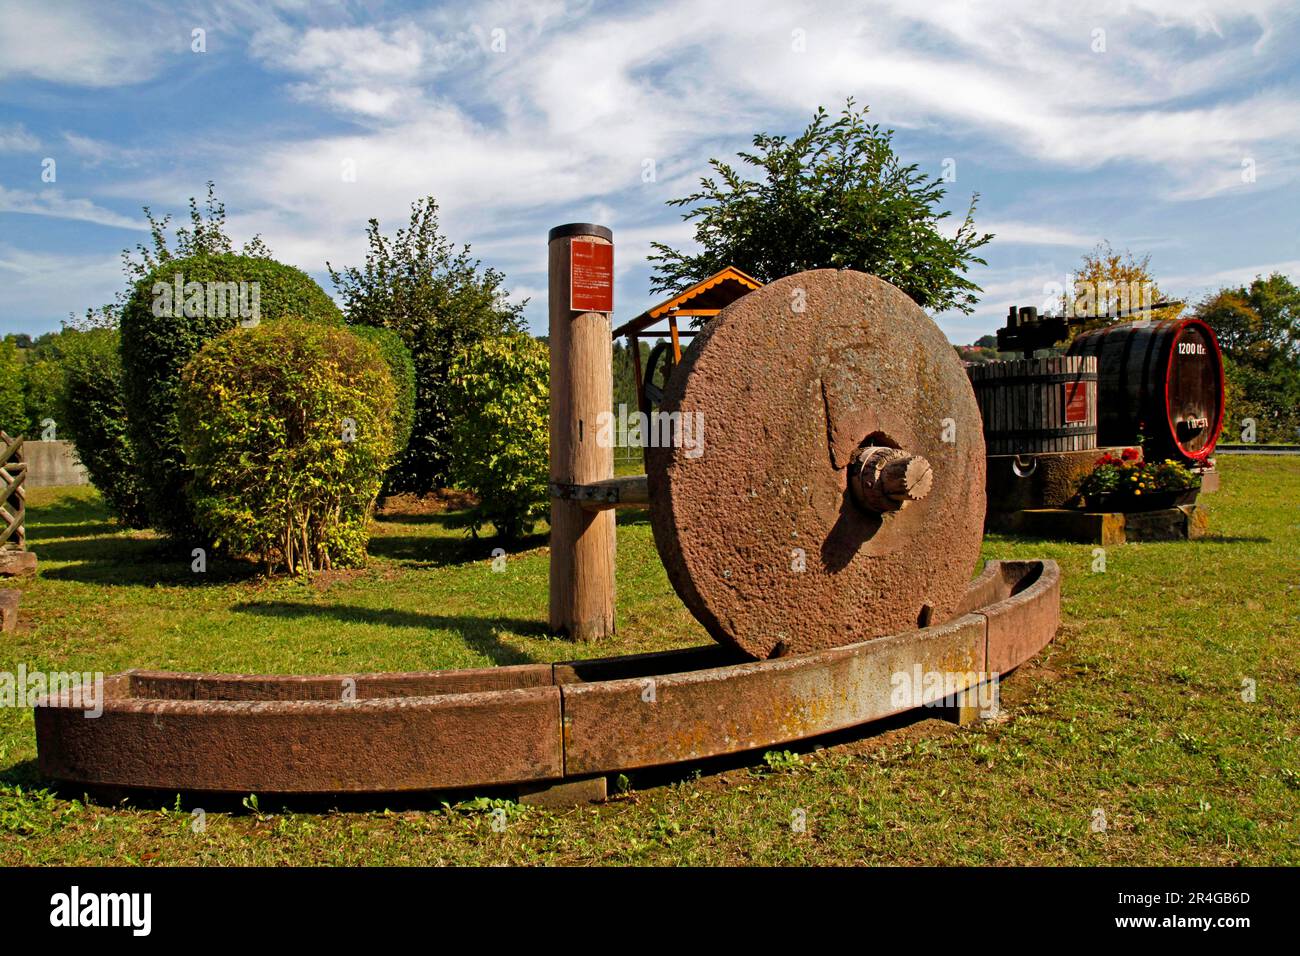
(93, 400)
(287, 428)
(42, 385)
(441, 302)
(92, 413)
(836, 196)
(500, 441)
(13, 404)
(205, 235)
(1258, 329)
(1109, 282)
(402, 369)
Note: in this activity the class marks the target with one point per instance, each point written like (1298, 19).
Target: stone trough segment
(520, 725)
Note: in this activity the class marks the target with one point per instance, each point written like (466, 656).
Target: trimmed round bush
(287, 429)
(172, 313)
(92, 413)
(500, 439)
(402, 367)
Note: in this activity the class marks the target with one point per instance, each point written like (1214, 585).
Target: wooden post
(582, 541)
(641, 404)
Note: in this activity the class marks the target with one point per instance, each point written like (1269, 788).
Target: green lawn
(1135, 710)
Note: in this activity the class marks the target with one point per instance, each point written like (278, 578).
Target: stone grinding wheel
(764, 526)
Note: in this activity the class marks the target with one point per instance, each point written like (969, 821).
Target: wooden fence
(13, 496)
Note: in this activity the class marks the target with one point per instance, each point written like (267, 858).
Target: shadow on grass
(135, 562)
(26, 774)
(633, 516)
(478, 633)
(443, 519)
(425, 551)
(67, 510)
(46, 530)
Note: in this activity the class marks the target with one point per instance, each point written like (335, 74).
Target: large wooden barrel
(1159, 380)
(1037, 405)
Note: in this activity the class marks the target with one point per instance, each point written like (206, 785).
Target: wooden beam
(625, 491)
(665, 333)
(641, 403)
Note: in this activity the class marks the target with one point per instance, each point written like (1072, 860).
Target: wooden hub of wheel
(825, 481)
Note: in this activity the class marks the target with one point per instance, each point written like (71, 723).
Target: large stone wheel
(838, 490)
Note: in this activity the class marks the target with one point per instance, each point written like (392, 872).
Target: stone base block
(1041, 480)
(9, 609)
(1106, 528)
(17, 564)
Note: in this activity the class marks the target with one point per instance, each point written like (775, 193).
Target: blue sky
(1169, 127)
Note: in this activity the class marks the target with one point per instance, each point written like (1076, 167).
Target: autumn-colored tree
(1109, 283)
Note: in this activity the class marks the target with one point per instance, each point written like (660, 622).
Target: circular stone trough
(528, 724)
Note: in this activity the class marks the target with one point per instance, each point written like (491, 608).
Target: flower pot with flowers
(1126, 482)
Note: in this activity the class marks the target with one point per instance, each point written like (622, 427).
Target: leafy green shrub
(161, 333)
(92, 415)
(500, 440)
(287, 428)
(441, 301)
(402, 368)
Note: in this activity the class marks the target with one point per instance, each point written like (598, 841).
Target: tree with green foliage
(1258, 328)
(441, 301)
(500, 441)
(836, 196)
(287, 428)
(402, 369)
(159, 337)
(92, 415)
(205, 235)
(96, 418)
(13, 404)
(625, 375)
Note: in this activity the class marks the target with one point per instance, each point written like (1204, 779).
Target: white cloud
(95, 152)
(1194, 285)
(15, 139)
(556, 126)
(52, 202)
(1015, 232)
(82, 44)
(53, 285)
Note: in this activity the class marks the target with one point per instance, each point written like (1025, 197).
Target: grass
(1134, 716)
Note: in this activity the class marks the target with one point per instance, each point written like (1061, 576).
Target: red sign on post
(591, 276)
(1076, 402)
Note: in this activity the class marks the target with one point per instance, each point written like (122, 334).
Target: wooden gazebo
(703, 300)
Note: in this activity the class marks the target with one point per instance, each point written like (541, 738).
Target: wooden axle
(885, 479)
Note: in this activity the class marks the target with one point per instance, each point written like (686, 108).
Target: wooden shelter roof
(708, 297)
